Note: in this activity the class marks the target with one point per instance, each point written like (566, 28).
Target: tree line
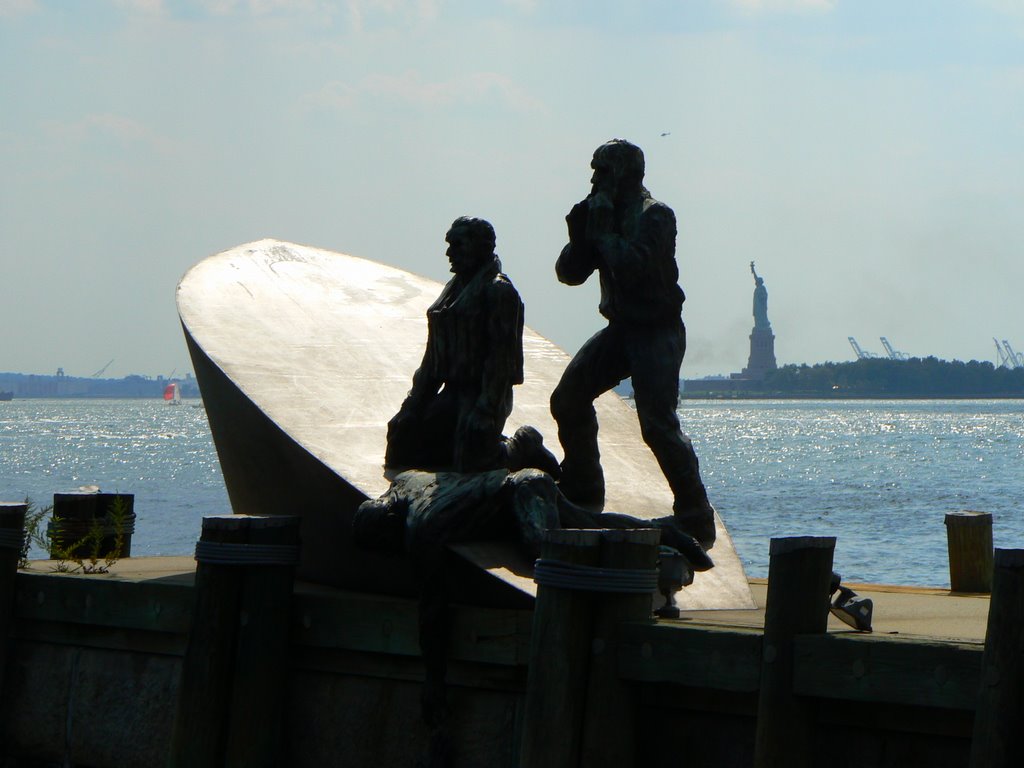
(881, 377)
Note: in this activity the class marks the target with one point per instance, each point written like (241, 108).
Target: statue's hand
(600, 217)
(479, 420)
(406, 415)
(576, 220)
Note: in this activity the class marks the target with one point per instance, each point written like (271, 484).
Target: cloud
(143, 6)
(1007, 7)
(17, 7)
(121, 129)
(526, 6)
(415, 11)
(784, 6)
(223, 7)
(410, 88)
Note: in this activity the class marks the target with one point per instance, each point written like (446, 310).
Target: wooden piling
(259, 692)
(797, 604)
(969, 540)
(236, 561)
(609, 732)
(12, 533)
(76, 513)
(559, 658)
(996, 741)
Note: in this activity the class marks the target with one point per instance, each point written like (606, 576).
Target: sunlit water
(878, 475)
(162, 453)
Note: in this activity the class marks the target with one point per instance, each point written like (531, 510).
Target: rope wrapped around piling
(589, 578)
(12, 538)
(106, 526)
(229, 553)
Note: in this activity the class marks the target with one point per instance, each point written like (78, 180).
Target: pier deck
(117, 641)
(909, 612)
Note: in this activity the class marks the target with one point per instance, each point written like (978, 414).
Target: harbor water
(877, 475)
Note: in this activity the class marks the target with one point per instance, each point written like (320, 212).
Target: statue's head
(380, 523)
(618, 165)
(470, 244)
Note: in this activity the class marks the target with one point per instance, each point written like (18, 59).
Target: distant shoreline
(27, 386)
(819, 396)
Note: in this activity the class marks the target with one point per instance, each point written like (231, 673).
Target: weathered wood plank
(609, 698)
(12, 531)
(204, 694)
(893, 670)
(390, 625)
(798, 578)
(969, 543)
(559, 658)
(997, 739)
(700, 657)
(332, 661)
(329, 619)
(100, 637)
(101, 601)
(260, 685)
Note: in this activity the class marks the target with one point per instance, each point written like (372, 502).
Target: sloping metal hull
(302, 356)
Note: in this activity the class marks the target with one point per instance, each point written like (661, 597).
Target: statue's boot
(673, 535)
(696, 516)
(583, 488)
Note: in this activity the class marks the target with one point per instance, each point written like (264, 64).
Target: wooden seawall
(93, 668)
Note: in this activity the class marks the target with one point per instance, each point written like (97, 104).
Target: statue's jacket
(636, 264)
(475, 341)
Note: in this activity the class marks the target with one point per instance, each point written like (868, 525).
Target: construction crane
(1016, 359)
(1004, 359)
(101, 370)
(892, 353)
(861, 354)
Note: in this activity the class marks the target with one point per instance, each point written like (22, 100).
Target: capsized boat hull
(303, 355)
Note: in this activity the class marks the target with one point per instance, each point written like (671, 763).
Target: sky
(868, 155)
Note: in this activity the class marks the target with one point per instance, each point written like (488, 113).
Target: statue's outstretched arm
(577, 260)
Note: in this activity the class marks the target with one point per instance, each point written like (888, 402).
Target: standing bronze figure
(629, 238)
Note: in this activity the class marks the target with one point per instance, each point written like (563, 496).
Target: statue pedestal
(762, 353)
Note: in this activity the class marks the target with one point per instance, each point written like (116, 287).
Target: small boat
(172, 394)
(4, 396)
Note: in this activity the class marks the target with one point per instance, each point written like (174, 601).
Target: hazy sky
(869, 156)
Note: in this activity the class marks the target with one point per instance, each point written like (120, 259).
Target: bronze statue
(760, 301)
(422, 511)
(628, 237)
(461, 394)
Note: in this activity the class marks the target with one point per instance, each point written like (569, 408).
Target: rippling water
(163, 454)
(878, 475)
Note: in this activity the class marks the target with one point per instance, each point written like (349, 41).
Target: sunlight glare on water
(878, 475)
(163, 454)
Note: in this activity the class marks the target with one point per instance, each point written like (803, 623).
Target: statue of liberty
(760, 301)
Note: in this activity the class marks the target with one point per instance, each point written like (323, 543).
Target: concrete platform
(908, 612)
